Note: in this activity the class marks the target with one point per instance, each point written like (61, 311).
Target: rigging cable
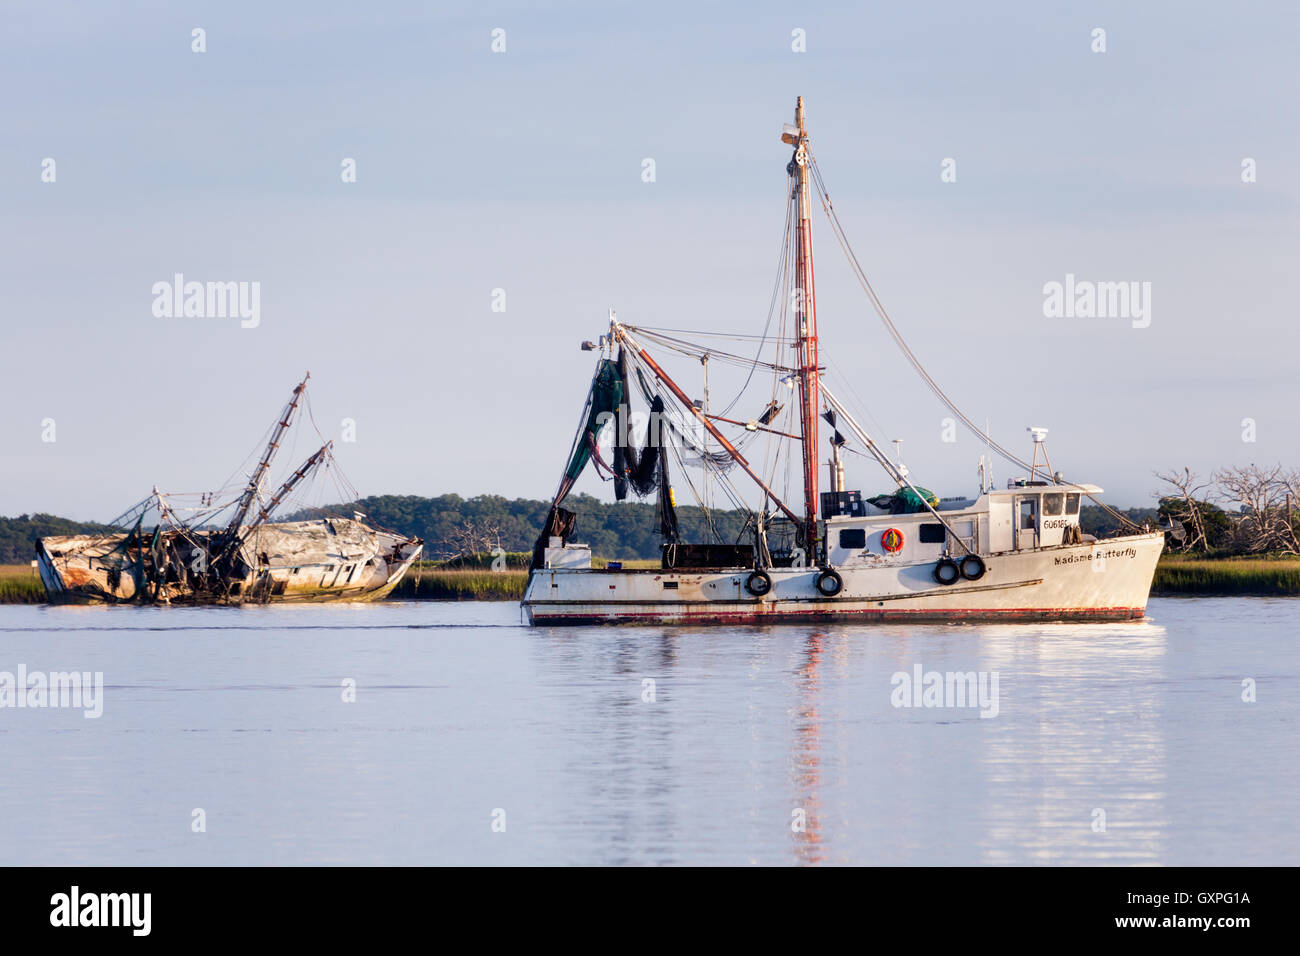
(897, 336)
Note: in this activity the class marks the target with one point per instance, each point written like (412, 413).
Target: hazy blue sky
(522, 171)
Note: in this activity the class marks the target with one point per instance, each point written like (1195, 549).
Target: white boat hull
(1102, 580)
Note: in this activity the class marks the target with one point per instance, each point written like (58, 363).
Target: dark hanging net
(643, 469)
(603, 400)
(667, 507)
(635, 467)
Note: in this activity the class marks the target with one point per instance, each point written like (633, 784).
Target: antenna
(988, 445)
(1040, 441)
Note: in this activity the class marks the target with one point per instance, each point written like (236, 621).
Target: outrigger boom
(620, 334)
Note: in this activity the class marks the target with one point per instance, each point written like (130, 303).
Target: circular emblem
(892, 540)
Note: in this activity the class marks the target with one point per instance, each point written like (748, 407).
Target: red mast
(806, 329)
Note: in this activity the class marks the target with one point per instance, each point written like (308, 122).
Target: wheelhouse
(1018, 518)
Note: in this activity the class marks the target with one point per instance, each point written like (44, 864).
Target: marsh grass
(1187, 574)
(460, 584)
(19, 584)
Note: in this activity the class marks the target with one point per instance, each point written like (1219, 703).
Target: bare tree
(1290, 484)
(1261, 494)
(471, 538)
(1186, 505)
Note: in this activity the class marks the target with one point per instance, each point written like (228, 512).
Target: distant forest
(18, 535)
(451, 525)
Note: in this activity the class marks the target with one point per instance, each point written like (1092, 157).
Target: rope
(897, 336)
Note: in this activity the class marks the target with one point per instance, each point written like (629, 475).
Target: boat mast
(708, 504)
(290, 483)
(264, 464)
(806, 317)
(232, 537)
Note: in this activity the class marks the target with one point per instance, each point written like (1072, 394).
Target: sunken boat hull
(331, 559)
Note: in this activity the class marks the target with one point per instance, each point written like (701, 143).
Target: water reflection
(460, 710)
(806, 758)
(673, 776)
(1077, 772)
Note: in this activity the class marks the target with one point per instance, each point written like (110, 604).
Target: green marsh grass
(1188, 574)
(438, 583)
(19, 584)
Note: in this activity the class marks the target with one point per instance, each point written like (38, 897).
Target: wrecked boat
(229, 552)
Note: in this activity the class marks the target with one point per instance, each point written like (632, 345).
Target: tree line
(1238, 510)
(18, 535)
(454, 527)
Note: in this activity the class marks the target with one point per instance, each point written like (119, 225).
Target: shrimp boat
(1003, 554)
(225, 550)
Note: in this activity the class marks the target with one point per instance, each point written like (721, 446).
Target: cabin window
(932, 533)
(1053, 504)
(1027, 522)
(1071, 504)
(853, 538)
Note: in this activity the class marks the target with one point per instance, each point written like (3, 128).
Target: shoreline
(1176, 576)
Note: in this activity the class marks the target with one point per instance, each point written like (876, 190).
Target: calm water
(461, 711)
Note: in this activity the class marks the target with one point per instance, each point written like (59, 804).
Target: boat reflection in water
(806, 759)
(789, 742)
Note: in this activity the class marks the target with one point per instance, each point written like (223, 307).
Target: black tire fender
(829, 583)
(946, 572)
(972, 567)
(758, 583)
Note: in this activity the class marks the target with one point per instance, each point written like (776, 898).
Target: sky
(521, 171)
